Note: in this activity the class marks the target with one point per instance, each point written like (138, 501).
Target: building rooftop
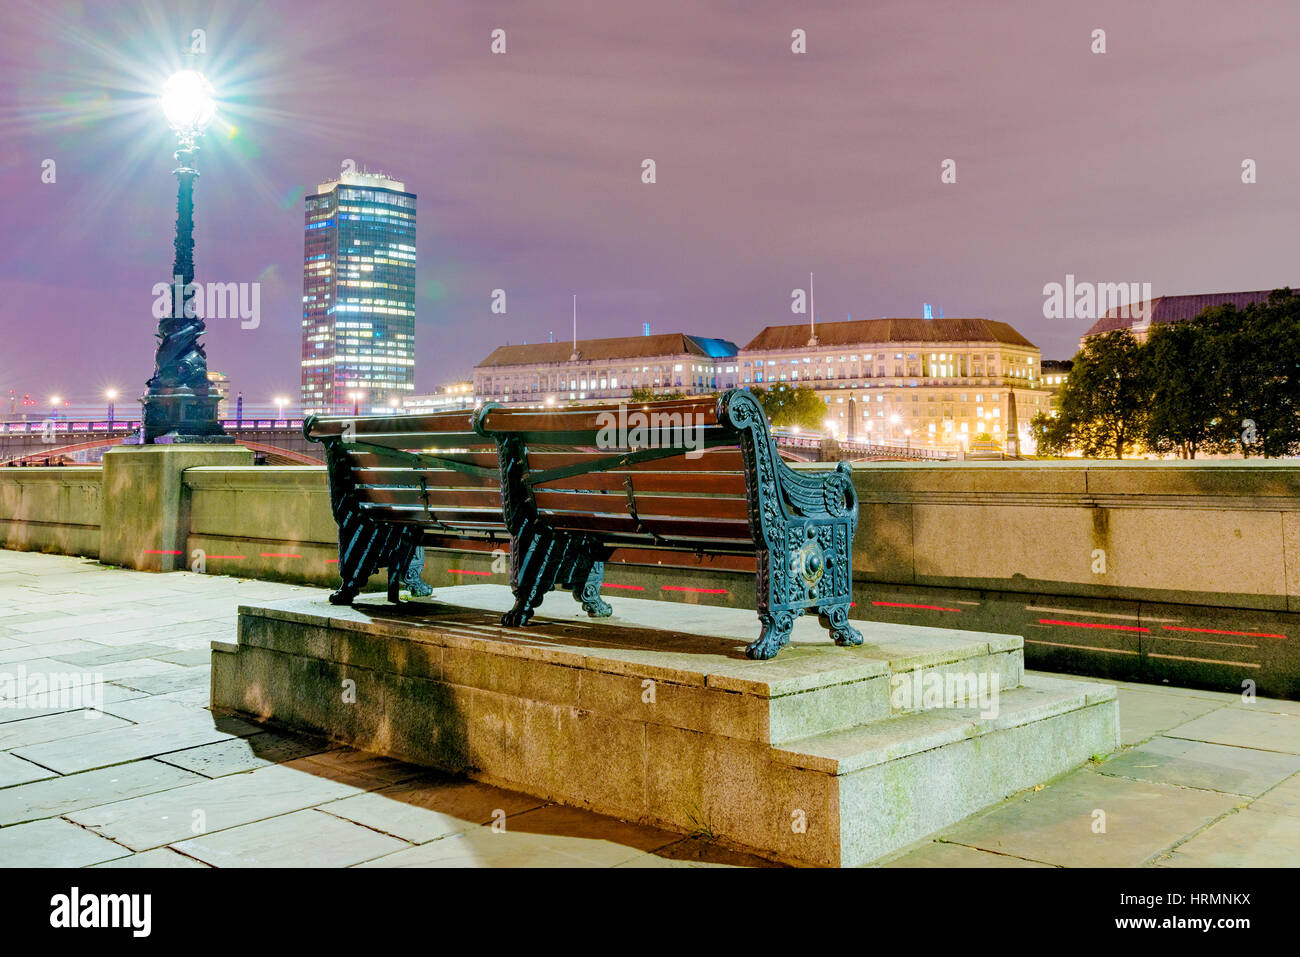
(1165, 309)
(857, 331)
(364, 178)
(598, 350)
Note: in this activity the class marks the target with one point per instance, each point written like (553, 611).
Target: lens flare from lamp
(187, 100)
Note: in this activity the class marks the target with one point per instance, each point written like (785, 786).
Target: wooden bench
(673, 483)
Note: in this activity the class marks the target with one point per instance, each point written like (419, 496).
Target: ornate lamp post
(179, 406)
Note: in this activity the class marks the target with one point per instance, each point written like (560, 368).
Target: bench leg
(410, 575)
(357, 550)
(535, 559)
(835, 619)
(588, 575)
(775, 635)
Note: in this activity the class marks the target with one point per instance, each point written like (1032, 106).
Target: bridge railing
(65, 426)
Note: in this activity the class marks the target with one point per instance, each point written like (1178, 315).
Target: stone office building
(556, 373)
(929, 382)
(1162, 310)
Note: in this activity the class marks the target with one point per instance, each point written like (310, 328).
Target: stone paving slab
(300, 839)
(1263, 839)
(1283, 799)
(55, 843)
(25, 651)
(1263, 730)
(368, 771)
(106, 654)
(15, 770)
(57, 729)
(244, 754)
(486, 848)
(1143, 714)
(162, 857)
(38, 706)
(1056, 825)
(425, 810)
(155, 820)
(120, 745)
(61, 795)
(1196, 764)
(947, 854)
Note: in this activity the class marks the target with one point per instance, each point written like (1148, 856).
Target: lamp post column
(179, 406)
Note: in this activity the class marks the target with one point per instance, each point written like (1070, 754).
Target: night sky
(1118, 167)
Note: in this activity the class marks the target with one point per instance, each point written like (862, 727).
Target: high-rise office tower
(358, 295)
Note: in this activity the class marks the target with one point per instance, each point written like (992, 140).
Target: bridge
(817, 447)
(281, 442)
(81, 441)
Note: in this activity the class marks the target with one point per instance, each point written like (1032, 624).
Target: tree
(1256, 375)
(1103, 402)
(799, 406)
(649, 395)
(1182, 360)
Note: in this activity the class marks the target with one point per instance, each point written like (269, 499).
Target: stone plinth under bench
(826, 755)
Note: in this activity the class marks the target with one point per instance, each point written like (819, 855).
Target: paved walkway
(156, 780)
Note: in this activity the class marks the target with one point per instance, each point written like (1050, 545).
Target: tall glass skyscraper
(358, 294)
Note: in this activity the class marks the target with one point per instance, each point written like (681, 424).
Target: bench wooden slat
(433, 422)
(416, 441)
(703, 483)
(434, 478)
(646, 505)
(592, 419)
(437, 498)
(680, 531)
(727, 459)
(461, 518)
(365, 458)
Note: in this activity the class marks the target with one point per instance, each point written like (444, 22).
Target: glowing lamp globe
(187, 100)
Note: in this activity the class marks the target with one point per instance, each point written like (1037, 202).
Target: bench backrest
(664, 475)
(431, 470)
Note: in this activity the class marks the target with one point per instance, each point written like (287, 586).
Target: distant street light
(280, 401)
(110, 395)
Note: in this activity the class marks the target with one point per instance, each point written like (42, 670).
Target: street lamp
(356, 402)
(179, 405)
(110, 395)
(280, 402)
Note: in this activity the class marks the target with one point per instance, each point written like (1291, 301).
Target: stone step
(901, 778)
(900, 736)
(665, 664)
(803, 758)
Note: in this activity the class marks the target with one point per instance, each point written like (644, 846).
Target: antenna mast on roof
(575, 328)
(812, 313)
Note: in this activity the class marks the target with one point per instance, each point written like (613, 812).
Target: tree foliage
(1225, 381)
(1103, 402)
(787, 406)
(650, 395)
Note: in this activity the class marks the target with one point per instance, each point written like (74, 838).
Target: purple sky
(1117, 167)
